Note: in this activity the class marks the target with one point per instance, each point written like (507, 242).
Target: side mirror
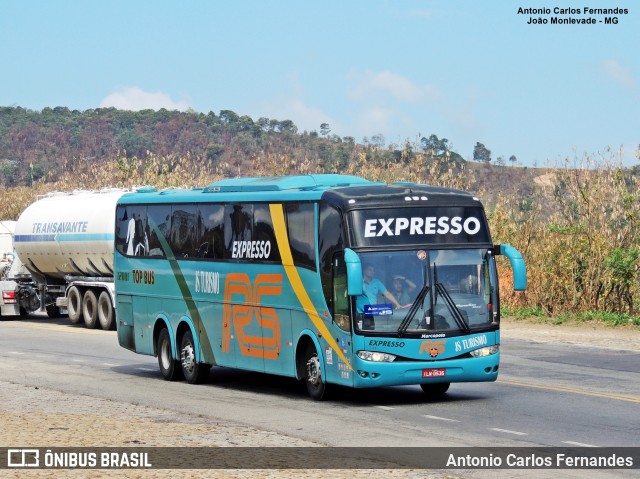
(354, 272)
(517, 265)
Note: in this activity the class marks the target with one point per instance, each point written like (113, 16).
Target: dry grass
(578, 229)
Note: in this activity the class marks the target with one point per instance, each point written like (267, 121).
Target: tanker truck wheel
(52, 311)
(90, 309)
(105, 311)
(74, 304)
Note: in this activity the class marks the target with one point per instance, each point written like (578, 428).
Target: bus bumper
(374, 374)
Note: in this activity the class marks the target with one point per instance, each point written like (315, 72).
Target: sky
(465, 70)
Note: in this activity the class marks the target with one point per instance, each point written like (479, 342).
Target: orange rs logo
(241, 313)
(432, 347)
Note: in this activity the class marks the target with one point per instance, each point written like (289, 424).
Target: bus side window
(161, 216)
(183, 230)
(238, 223)
(263, 231)
(125, 229)
(132, 230)
(301, 233)
(212, 237)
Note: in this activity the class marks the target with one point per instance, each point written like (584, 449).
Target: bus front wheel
(435, 390)
(316, 387)
(169, 367)
(194, 372)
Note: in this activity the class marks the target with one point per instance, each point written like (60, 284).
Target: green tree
(287, 126)
(438, 147)
(325, 129)
(214, 152)
(481, 153)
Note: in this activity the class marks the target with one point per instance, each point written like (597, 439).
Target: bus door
(337, 371)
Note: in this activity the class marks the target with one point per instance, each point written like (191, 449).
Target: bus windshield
(445, 291)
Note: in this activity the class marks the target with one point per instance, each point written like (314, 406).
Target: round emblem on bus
(422, 255)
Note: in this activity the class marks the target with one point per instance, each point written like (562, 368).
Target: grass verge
(537, 315)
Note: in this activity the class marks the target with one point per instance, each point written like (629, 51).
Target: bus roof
(345, 191)
(398, 194)
(280, 183)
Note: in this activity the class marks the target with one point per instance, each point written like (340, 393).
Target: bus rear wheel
(435, 390)
(316, 387)
(194, 372)
(169, 367)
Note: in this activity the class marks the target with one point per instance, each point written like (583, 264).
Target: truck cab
(8, 288)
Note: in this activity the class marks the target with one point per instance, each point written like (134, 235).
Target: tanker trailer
(65, 240)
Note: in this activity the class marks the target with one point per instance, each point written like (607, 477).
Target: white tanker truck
(65, 240)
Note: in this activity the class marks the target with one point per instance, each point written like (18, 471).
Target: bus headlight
(376, 356)
(482, 352)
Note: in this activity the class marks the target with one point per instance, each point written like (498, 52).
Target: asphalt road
(547, 394)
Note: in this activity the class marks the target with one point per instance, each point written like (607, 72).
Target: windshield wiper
(453, 309)
(414, 308)
(417, 303)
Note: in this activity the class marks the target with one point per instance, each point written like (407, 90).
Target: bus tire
(90, 309)
(74, 304)
(169, 367)
(435, 390)
(105, 311)
(194, 372)
(316, 387)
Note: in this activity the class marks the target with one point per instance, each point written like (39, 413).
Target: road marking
(565, 389)
(579, 444)
(78, 360)
(110, 365)
(147, 369)
(507, 431)
(385, 408)
(15, 352)
(438, 418)
(62, 328)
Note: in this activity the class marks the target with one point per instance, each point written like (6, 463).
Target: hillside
(37, 145)
(577, 225)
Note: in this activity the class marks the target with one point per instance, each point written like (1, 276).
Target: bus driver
(371, 288)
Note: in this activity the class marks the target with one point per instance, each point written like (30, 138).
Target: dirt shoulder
(592, 333)
(34, 417)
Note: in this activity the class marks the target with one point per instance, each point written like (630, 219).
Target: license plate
(434, 373)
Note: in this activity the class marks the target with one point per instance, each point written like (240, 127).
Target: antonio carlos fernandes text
(534, 461)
